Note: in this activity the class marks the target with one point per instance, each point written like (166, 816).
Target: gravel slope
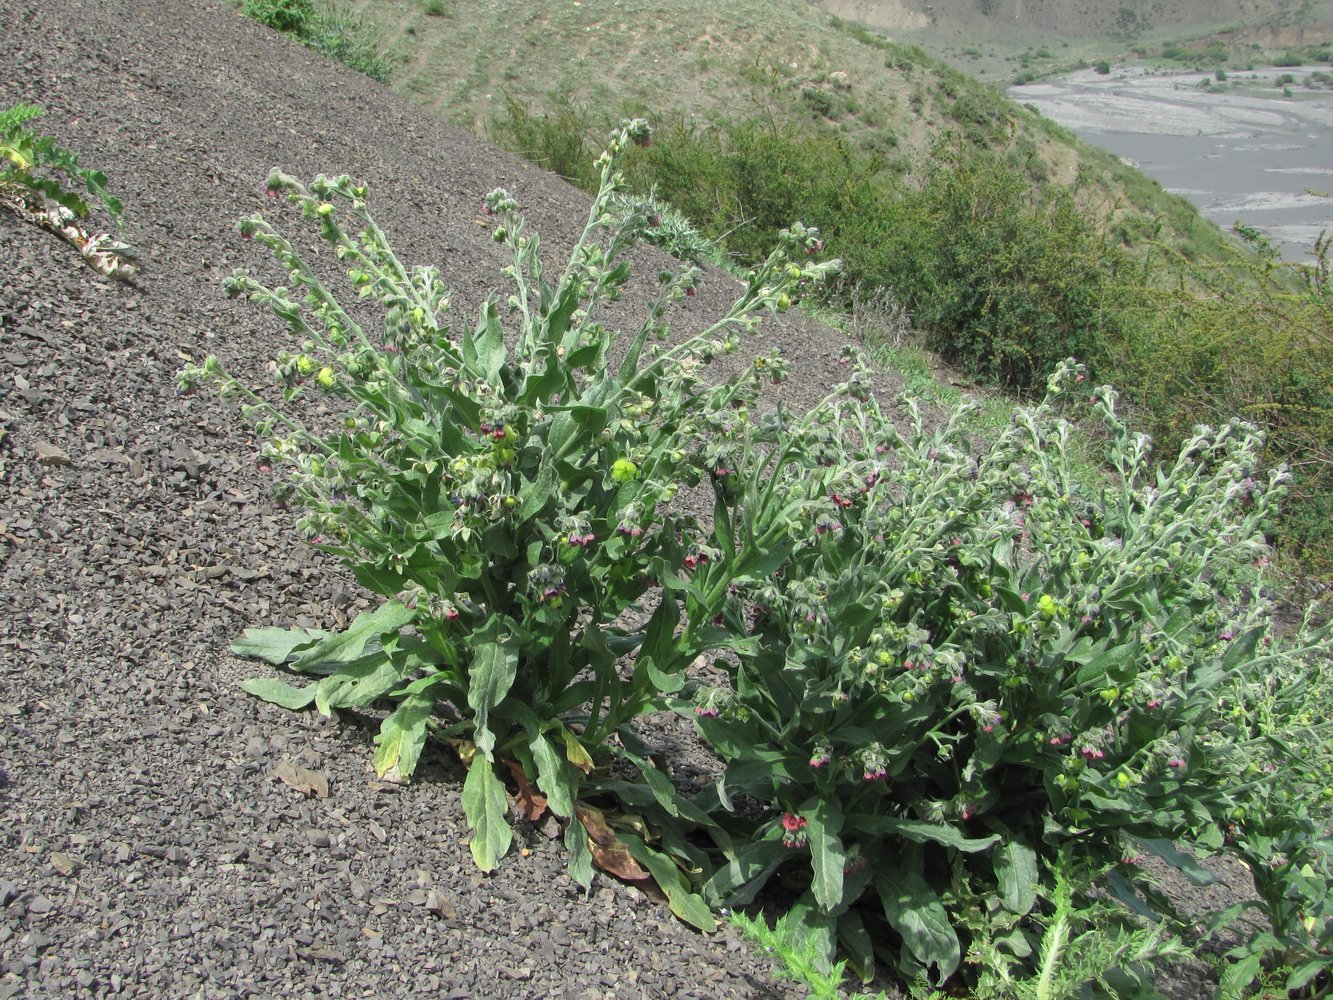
(145, 847)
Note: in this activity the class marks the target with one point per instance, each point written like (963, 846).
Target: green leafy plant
(1087, 944)
(970, 663)
(329, 29)
(288, 16)
(34, 169)
(508, 492)
(799, 957)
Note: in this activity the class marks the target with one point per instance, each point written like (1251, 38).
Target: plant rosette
(508, 491)
(970, 663)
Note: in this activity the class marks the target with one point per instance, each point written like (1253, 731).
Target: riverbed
(1242, 149)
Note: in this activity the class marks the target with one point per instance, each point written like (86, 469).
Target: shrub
(970, 668)
(507, 495)
(349, 39)
(1001, 283)
(1245, 334)
(330, 30)
(1103, 67)
(291, 17)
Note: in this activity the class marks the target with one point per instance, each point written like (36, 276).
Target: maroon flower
(793, 830)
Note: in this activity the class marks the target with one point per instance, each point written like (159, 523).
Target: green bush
(350, 39)
(291, 17)
(329, 29)
(1002, 283)
(507, 497)
(1245, 335)
(970, 669)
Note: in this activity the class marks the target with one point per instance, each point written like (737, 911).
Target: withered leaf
(608, 853)
(302, 779)
(531, 803)
(440, 905)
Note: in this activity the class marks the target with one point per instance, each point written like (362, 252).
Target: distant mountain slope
(1081, 18)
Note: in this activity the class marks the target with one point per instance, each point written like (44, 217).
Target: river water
(1241, 150)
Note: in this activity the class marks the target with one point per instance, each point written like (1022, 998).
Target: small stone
(50, 455)
(63, 863)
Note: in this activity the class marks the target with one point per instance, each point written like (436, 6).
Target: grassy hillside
(778, 60)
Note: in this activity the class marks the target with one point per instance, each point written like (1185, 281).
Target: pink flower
(793, 830)
(705, 711)
(1092, 753)
(1060, 740)
(1175, 763)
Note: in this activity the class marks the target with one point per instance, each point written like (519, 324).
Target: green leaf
(1016, 872)
(1239, 977)
(722, 533)
(580, 854)
(684, 902)
(827, 858)
(557, 320)
(591, 418)
(490, 676)
(487, 811)
(561, 433)
(914, 910)
(339, 647)
(921, 832)
(1303, 974)
(280, 692)
(658, 655)
(811, 930)
(1177, 859)
(274, 645)
(555, 776)
(484, 349)
(402, 735)
(857, 945)
(358, 683)
(534, 493)
(740, 879)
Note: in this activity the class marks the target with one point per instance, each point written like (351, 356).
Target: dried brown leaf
(303, 779)
(608, 853)
(531, 803)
